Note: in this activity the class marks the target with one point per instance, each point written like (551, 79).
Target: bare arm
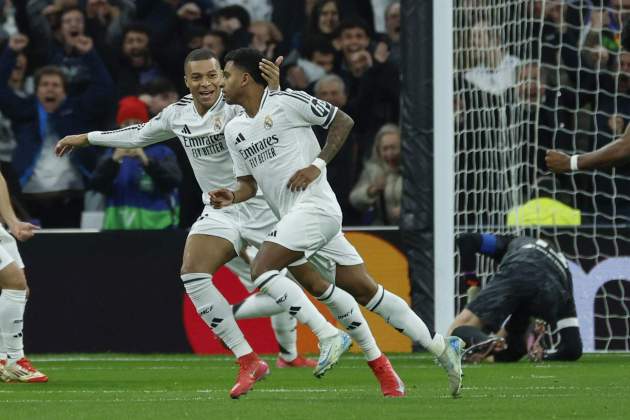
(337, 134)
(21, 230)
(613, 154)
(246, 189)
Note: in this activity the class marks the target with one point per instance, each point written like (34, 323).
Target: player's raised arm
(613, 154)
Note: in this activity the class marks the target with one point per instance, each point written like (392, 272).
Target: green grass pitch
(118, 387)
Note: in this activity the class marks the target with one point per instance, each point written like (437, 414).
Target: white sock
(12, 304)
(285, 329)
(258, 305)
(400, 316)
(347, 311)
(291, 297)
(215, 311)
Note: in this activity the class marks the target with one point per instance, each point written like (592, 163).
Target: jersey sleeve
(240, 166)
(300, 106)
(157, 129)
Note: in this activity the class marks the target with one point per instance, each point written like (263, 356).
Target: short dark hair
(136, 27)
(51, 70)
(317, 43)
(354, 22)
(199, 54)
(159, 86)
(625, 36)
(234, 11)
(248, 59)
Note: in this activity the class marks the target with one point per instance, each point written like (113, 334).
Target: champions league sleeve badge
(268, 122)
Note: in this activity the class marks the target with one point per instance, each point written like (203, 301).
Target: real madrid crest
(268, 122)
(217, 124)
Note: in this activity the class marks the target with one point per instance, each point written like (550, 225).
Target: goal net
(530, 76)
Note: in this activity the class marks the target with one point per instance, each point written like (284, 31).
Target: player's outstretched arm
(68, 143)
(21, 230)
(245, 190)
(613, 154)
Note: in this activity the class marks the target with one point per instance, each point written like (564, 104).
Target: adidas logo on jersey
(240, 138)
(185, 130)
(273, 234)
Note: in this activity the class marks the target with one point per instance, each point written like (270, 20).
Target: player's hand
(66, 144)
(271, 72)
(23, 230)
(221, 198)
(558, 162)
(18, 42)
(303, 178)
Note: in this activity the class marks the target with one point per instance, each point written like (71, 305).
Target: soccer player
(531, 280)
(273, 147)
(198, 120)
(14, 366)
(612, 154)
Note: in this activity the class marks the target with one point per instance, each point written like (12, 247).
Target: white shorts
(305, 229)
(240, 224)
(8, 250)
(339, 251)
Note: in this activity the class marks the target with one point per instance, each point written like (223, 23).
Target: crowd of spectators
(71, 66)
(554, 77)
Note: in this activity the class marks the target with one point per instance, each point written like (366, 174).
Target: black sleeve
(104, 175)
(165, 173)
(471, 244)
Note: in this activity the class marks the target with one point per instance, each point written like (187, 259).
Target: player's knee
(13, 278)
(258, 269)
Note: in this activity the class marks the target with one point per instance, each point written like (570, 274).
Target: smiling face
(50, 92)
(328, 18)
(389, 149)
(203, 79)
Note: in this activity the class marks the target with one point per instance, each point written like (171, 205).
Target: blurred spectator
(168, 18)
(319, 52)
(372, 82)
(136, 66)
(106, 20)
(379, 189)
(234, 21)
(342, 169)
(323, 23)
(8, 23)
(140, 184)
(53, 187)
(392, 27)
(158, 94)
(257, 9)
(494, 68)
(265, 38)
(215, 41)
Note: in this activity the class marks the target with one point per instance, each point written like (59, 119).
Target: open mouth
(74, 34)
(205, 94)
(50, 99)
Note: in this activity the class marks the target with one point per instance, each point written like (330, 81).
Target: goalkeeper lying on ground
(532, 281)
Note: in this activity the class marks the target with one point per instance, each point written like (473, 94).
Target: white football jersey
(278, 142)
(202, 138)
